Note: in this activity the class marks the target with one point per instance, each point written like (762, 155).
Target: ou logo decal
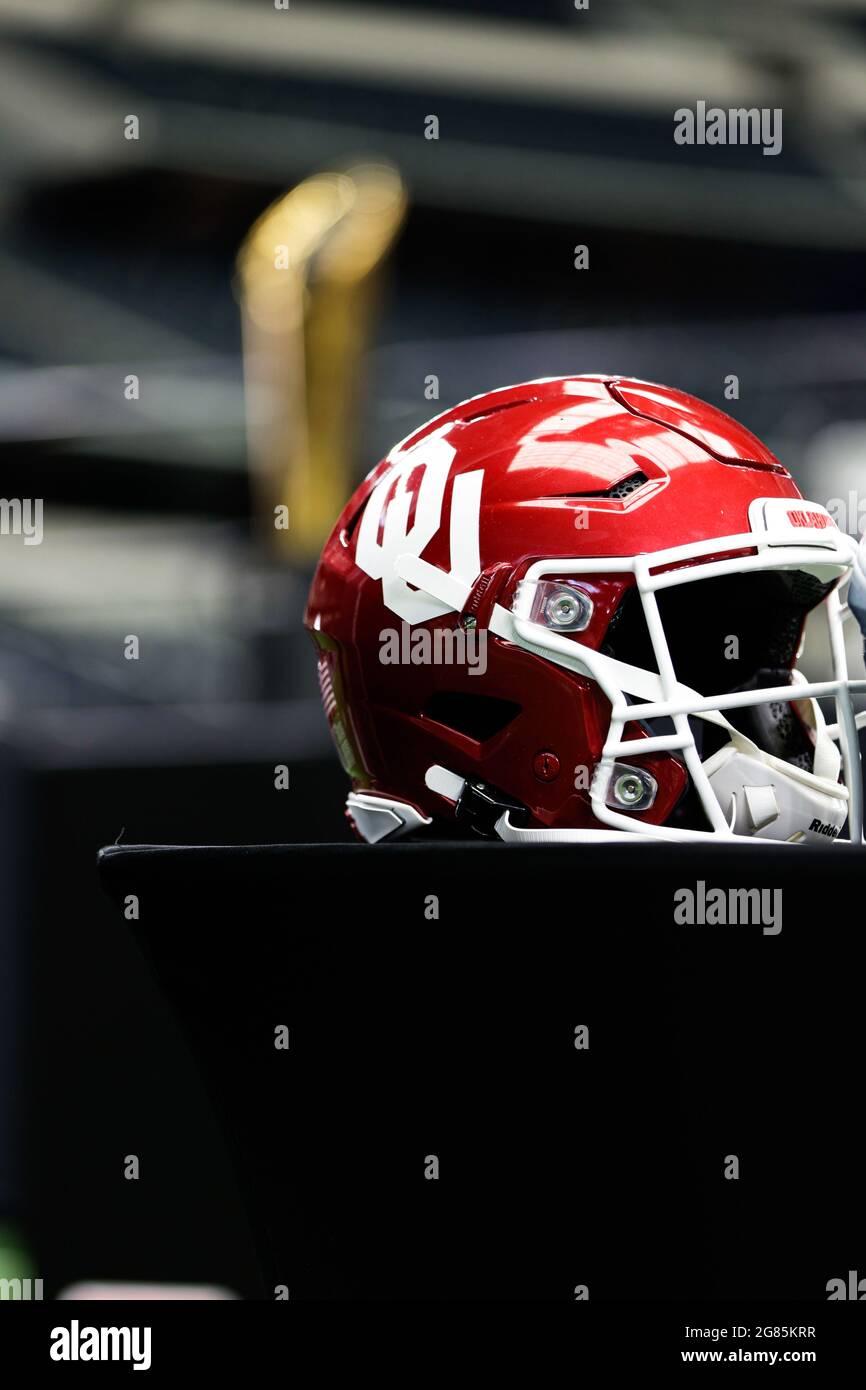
(415, 487)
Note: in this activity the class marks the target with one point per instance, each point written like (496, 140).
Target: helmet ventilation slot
(624, 488)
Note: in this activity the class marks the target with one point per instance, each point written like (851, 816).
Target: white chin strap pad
(765, 797)
(766, 801)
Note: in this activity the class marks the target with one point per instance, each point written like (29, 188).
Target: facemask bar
(845, 615)
(666, 697)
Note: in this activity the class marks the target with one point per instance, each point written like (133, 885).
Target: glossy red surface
(547, 449)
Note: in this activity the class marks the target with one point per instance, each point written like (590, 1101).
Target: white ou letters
(385, 534)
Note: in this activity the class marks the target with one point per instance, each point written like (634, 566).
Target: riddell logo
(816, 520)
(820, 828)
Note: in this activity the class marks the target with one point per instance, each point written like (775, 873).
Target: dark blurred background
(164, 384)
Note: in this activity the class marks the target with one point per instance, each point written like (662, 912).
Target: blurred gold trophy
(306, 284)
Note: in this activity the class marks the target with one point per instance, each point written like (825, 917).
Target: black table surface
(432, 993)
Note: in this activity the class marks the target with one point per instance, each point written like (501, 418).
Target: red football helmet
(571, 609)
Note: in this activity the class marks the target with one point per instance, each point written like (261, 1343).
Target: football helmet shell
(571, 609)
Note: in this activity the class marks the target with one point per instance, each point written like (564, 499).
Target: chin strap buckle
(480, 806)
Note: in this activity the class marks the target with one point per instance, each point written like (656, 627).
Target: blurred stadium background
(409, 258)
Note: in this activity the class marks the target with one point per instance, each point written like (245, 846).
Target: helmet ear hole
(478, 717)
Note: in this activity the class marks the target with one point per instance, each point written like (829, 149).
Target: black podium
(511, 1073)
